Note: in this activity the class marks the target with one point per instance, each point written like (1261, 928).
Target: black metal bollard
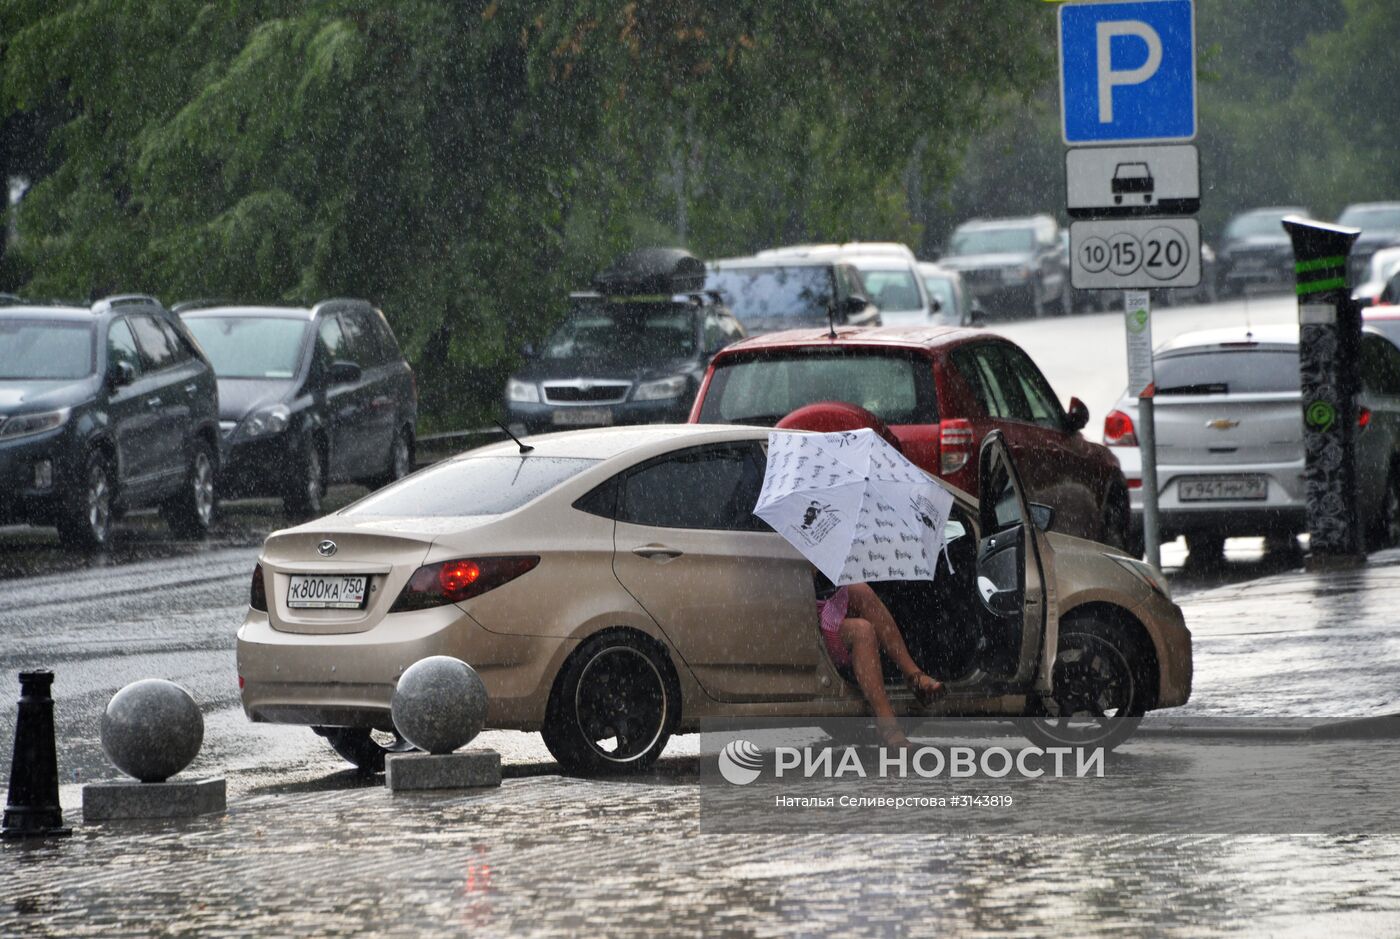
(33, 810)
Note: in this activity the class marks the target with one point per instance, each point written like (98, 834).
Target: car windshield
(893, 291)
(993, 241)
(640, 331)
(801, 293)
(941, 289)
(250, 346)
(1227, 371)
(1250, 226)
(895, 387)
(44, 350)
(484, 485)
(1383, 264)
(1372, 218)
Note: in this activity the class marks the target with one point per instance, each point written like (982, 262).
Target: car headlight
(526, 392)
(270, 420)
(23, 425)
(660, 390)
(1146, 573)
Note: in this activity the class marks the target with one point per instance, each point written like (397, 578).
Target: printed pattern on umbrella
(854, 506)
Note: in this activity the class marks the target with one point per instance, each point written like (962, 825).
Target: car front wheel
(190, 512)
(307, 484)
(86, 523)
(400, 459)
(613, 707)
(1102, 684)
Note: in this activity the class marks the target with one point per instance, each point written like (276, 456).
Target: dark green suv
(103, 410)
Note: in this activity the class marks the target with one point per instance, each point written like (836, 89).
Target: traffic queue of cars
(125, 405)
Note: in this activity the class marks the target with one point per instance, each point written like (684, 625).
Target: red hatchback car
(936, 391)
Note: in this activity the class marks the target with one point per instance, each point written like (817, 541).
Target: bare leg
(867, 606)
(859, 635)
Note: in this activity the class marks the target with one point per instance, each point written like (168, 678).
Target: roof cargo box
(652, 271)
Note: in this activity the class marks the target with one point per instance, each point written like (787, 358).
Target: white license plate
(333, 592)
(583, 417)
(1222, 488)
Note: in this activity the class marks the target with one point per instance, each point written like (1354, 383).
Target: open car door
(1017, 610)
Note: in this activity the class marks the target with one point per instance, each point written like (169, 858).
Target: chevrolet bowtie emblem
(1222, 423)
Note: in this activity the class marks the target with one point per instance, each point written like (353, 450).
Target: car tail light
(454, 581)
(1134, 483)
(1118, 430)
(954, 445)
(257, 595)
(1363, 418)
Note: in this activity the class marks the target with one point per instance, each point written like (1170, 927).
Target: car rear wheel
(1116, 520)
(613, 707)
(363, 747)
(1102, 685)
(307, 485)
(190, 513)
(1205, 550)
(86, 523)
(400, 459)
(1385, 531)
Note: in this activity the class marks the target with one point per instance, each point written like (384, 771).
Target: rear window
(1227, 371)
(893, 291)
(486, 485)
(896, 387)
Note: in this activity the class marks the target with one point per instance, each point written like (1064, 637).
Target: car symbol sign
(326, 548)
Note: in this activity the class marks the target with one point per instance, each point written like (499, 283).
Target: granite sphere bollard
(152, 729)
(439, 704)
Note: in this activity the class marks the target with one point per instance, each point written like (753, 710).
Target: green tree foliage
(465, 164)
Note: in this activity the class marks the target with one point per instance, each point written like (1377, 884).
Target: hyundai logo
(326, 548)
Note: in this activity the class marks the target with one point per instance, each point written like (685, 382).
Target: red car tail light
(257, 595)
(954, 445)
(1363, 417)
(1118, 430)
(461, 579)
(1134, 483)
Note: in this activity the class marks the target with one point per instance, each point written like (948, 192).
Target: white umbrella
(854, 506)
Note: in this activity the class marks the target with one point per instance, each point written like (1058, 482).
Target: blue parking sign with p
(1128, 71)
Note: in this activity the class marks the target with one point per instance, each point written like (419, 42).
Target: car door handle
(656, 552)
(191, 387)
(153, 402)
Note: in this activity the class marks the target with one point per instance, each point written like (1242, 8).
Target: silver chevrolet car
(1230, 438)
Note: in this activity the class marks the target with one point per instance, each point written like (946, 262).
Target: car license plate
(1222, 488)
(334, 592)
(583, 417)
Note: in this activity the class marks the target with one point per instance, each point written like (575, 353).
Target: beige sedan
(612, 587)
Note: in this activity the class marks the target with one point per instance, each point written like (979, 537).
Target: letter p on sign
(1128, 71)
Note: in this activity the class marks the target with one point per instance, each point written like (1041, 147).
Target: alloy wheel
(400, 461)
(99, 503)
(203, 484)
(621, 704)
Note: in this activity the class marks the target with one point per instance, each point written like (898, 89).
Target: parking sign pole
(1137, 321)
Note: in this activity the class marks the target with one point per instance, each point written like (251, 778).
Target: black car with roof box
(307, 397)
(631, 351)
(104, 410)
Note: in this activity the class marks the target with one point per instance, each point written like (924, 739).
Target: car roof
(845, 250)
(601, 443)
(32, 311)
(1371, 205)
(271, 312)
(1280, 335)
(1274, 210)
(931, 269)
(907, 336)
(1025, 221)
(785, 260)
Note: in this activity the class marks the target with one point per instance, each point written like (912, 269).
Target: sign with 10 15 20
(1135, 253)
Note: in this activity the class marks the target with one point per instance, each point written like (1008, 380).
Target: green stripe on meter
(1317, 264)
(1318, 286)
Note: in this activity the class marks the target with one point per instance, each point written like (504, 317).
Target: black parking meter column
(1329, 366)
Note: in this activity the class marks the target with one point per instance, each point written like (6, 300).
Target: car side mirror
(1078, 417)
(344, 373)
(855, 305)
(978, 316)
(120, 374)
(1043, 516)
(528, 350)
(935, 304)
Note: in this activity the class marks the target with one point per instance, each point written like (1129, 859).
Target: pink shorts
(832, 612)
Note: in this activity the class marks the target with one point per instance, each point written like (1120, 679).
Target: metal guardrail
(431, 448)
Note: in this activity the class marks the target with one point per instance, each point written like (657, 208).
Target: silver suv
(1012, 265)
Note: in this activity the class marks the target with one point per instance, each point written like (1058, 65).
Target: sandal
(926, 688)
